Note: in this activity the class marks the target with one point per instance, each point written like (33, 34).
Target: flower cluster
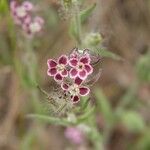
(71, 72)
(22, 15)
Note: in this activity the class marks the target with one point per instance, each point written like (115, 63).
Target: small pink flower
(75, 135)
(80, 67)
(58, 68)
(76, 90)
(33, 27)
(20, 12)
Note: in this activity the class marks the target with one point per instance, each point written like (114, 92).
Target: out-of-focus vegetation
(116, 114)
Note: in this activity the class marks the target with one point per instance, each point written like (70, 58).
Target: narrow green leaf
(133, 121)
(86, 13)
(73, 29)
(86, 115)
(52, 120)
(109, 54)
(103, 104)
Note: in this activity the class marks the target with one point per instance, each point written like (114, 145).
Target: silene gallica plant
(74, 102)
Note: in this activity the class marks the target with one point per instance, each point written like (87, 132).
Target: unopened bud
(92, 39)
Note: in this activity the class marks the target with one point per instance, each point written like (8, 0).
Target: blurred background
(125, 29)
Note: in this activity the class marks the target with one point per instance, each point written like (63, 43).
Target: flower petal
(27, 20)
(64, 86)
(28, 6)
(13, 5)
(74, 53)
(73, 62)
(85, 59)
(78, 81)
(64, 73)
(84, 91)
(58, 77)
(39, 20)
(51, 63)
(89, 69)
(73, 73)
(63, 60)
(51, 71)
(75, 99)
(83, 74)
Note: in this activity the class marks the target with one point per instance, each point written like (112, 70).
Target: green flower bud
(92, 39)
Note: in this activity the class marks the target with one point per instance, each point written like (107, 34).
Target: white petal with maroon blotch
(78, 81)
(58, 77)
(51, 71)
(73, 62)
(82, 74)
(88, 68)
(64, 86)
(73, 73)
(51, 63)
(63, 60)
(75, 99)
(85, 59)
(64, 73)
(84, 91)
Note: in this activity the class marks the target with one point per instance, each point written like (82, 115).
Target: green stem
(78, 24)
(31, 64)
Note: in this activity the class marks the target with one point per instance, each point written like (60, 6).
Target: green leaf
(86, 115)
(103, 104)
(84, 102)
(133, 121)
(51, 120)
(109, 54)
(86, 13)
(73, 29)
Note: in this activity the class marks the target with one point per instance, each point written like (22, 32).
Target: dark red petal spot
(89, 69)
(75, 99)
(58, 77)
(51, 63)
(63, 60)
(84, 91)
(73, 73)
(52, 71)
(78, 81)
(85, 60)
(73, 62)
(83, 74)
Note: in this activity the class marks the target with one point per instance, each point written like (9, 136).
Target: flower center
(21, 12)
(74, 89)
(80, 66)
(60, 67)
(35, 27)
